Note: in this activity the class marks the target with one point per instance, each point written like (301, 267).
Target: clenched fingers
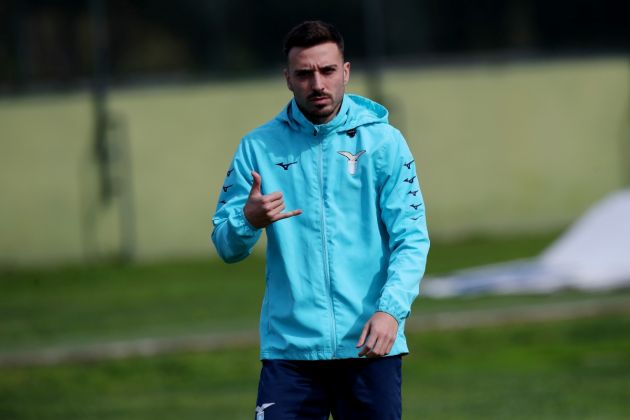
(378, 335)
(378, 347)
(271, 197)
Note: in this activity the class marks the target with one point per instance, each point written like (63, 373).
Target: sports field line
(146, 347)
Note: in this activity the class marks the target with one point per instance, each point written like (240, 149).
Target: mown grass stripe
(147, 347)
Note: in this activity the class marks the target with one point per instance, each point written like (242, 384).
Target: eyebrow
(310, 70)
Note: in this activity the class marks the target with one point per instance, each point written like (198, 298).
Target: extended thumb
(257, 181)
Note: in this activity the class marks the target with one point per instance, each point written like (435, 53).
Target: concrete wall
(501, 148)
(519, 147)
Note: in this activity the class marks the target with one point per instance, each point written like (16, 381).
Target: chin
(324, 118)
(323, 112)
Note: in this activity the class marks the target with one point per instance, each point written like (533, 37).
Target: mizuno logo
(352, 160)
(408, 165)
(285, 166)
(413, 193)
(410, 180)
(260, 411)
(415, 206)
(229, 172)
(226, 187)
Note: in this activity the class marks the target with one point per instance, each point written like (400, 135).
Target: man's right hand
(263, 210)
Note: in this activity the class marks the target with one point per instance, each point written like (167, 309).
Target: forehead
(316, 56)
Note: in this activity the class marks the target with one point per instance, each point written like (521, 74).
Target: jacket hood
(355, 111)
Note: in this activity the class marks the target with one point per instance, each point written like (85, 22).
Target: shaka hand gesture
(263, 210)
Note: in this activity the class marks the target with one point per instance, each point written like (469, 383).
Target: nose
(316, 83)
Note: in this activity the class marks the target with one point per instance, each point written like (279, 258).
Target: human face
(317, 76)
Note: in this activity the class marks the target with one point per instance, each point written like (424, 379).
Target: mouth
(318, 99)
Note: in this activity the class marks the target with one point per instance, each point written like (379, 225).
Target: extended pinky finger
(286, 215)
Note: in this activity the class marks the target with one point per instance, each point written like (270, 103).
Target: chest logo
(352, 160)
(285, 166)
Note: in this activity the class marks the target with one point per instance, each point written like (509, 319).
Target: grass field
(71, 305)
(563, 369)
(576, 369)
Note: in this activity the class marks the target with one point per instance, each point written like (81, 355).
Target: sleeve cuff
(389, 308)
(242, 225)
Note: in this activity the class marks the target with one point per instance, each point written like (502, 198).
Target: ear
(288, 79)
(346, 72)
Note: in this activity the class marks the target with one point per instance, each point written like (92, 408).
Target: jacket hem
(322, 355)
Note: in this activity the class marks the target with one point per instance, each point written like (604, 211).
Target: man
(345, 261)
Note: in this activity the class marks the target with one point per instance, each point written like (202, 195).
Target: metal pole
(374, 48)
(111, 146)
(99, 98)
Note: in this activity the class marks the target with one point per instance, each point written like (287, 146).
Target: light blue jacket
(360, 244)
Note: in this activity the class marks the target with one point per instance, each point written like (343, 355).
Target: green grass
(569, 369)
(77, 304)
(72, 305)
(572, 369)
(448, 256)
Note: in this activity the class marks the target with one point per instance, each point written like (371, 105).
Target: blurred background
(118, 120)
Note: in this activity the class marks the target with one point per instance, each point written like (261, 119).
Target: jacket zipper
(325, 250)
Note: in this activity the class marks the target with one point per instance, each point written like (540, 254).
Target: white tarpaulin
(594, 254)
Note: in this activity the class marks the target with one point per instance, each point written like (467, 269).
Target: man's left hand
(378, 335)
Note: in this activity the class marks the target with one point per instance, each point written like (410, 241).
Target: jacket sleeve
(403, 214)
(233, 236)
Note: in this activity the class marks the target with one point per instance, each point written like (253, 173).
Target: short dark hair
(311, 33)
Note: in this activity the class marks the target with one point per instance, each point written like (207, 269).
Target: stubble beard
(322, 114)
